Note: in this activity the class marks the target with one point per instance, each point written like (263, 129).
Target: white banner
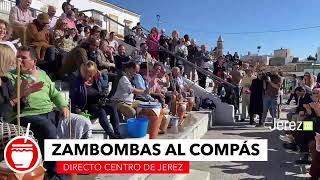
(156, 150)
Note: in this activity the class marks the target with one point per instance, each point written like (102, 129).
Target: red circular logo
(22, 154)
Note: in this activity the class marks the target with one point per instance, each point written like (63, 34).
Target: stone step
(194, 127)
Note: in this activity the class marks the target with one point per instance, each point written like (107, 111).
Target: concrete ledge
(224, 112)
(194, 127)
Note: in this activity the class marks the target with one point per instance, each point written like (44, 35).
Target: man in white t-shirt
(53, 20)
(112, 41)
(123, 98)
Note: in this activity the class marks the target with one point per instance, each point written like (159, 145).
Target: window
(113, 26)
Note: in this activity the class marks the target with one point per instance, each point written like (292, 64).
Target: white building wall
(283, 53)
(88, 5)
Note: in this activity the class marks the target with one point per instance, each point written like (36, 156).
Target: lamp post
(158, 20)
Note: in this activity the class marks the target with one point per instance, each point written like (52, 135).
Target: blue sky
(204, 19)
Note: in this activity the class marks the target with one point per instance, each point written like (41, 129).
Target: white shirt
(181, 83)
(114, 43)
(124, 92)
(52, 23)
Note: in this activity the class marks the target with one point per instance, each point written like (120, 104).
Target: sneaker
(118, 136)
(304, 160)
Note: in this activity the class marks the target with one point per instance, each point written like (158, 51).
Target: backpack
(208, 104)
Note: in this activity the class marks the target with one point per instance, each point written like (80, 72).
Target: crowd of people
(73, 48)
(261, 92)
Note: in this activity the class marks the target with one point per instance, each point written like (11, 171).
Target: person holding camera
(272, 85)
(88, 92)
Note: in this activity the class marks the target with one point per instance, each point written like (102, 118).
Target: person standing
(308, 82)
(246, 84)
(173, 42)
(295, 84)
(192, 52)
(256, 98)
(236, 77)
(219, 71)
(153, 44)
(181, 50)
(52, 19)
(202, 58)
(270, 100)
(112, 41)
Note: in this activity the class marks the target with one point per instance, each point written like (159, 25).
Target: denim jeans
(269, 103)
(114, 119)
(102, 113)
(44, 126)
(50, 54)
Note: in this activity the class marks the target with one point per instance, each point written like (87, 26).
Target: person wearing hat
(37, 36)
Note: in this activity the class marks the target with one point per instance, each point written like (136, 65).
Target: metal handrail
(194, 66)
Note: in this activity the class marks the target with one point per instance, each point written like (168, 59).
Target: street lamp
(158, 20)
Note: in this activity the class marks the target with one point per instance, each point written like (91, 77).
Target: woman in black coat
(256, 98)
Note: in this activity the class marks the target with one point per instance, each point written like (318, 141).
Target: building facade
(256, 59)
(281, 57)
(91, 7)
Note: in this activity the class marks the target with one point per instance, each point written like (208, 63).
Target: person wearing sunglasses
(37, 36)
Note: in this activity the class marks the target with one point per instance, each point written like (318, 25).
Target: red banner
(123, 167)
